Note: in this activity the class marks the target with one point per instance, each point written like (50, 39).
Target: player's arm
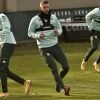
(89, 17)
(32, 28)
(5, 25)
(58, 27)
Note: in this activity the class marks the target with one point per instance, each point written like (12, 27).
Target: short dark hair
(44, 1)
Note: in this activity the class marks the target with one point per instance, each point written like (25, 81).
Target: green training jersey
(93, 19)
(50, 39)
(6, 36)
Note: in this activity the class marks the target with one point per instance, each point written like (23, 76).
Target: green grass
(27, 63)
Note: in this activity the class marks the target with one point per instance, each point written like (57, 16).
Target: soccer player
(93, 22)
(45, 28)
(7, 44)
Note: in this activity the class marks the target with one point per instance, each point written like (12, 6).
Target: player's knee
(94, 48)
(53, 68)
(3, 65)
(2, 69)
(66, 69)
(51, 65)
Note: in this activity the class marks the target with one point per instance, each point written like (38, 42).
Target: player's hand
(41, 36)
(55, 32)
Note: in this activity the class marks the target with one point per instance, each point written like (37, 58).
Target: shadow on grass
(52, 96)
(31, 97)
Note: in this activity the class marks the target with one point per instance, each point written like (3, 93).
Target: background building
(27, 5)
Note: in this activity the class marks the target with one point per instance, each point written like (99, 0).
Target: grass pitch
(27, 63)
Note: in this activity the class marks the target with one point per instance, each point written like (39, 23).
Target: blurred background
(71, 14)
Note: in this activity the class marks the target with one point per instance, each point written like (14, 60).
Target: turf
(27, 63)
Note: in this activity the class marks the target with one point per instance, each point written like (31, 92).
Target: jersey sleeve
(58, 26)
(32, 28)
(89, 17)
(5, 25)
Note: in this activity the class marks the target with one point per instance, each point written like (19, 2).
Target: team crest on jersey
(4, 61)
(95, 36)
(45, 20)
(48, 54)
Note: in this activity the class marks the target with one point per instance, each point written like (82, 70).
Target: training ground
(26, 62)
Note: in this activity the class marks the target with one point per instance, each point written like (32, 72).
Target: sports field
(27, 62)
